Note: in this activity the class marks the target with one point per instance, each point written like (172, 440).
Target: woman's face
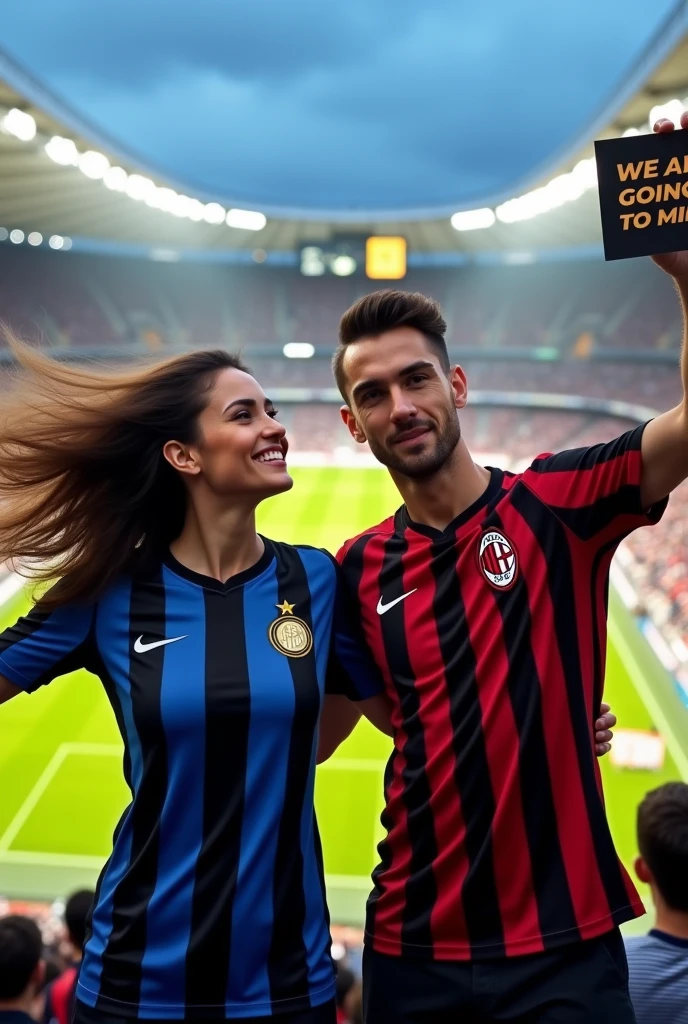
(241, 448)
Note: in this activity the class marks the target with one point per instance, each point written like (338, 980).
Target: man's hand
(674, 263)
(603, 730)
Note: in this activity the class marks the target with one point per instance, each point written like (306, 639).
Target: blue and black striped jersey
(212, 902)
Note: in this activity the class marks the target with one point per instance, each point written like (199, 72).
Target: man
(61, 993)
(21, 969)
(499, 893)
(658, 962)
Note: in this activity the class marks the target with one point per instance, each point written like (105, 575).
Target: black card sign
(643, 183)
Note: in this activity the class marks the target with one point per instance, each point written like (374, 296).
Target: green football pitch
(61, 787)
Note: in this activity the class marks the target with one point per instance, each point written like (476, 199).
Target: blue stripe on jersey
(182, 699)
(321, 580)
(113, 643)
(53, 641)
(272, 710)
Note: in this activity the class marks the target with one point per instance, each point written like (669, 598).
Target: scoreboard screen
(386, 257)
(379, 257)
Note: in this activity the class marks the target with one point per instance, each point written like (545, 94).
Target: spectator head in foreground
(663, 860)
(77, 913)
(658, 961)
(21, 964)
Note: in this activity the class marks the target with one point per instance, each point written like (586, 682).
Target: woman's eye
(273, 413)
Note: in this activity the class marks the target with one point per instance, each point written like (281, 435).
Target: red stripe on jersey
(397, 843)
(426, 660)
(578, 487)
(573, 824)
(511, 853)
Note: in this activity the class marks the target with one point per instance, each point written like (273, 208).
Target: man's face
(402, 402)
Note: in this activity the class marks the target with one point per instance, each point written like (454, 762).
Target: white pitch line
(44, 780)
(352, 764)
(29, 805)
(52, 860)
(648, 697)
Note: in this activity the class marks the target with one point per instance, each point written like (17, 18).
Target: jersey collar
(403, 521)
(209, 583)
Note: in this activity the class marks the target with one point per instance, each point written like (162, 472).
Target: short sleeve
(596, 491)
(44, 645)
(351, 669)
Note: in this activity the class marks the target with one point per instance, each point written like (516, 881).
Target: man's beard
(431, 461)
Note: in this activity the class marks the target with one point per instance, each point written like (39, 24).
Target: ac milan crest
(497, 560)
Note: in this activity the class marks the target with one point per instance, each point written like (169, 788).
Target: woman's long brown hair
(85, 490)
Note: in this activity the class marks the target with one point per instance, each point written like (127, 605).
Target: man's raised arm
(665, 439)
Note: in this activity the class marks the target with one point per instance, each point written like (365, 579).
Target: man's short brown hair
(383, 311)
(663, 841)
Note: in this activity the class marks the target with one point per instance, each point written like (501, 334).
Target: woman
(213, 644)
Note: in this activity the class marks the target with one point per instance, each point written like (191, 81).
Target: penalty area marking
(39, 788)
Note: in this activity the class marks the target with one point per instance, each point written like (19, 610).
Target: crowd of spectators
(574, 309)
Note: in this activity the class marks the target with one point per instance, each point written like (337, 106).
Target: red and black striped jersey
(491, 635)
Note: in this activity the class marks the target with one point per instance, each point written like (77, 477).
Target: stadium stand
(566, 309)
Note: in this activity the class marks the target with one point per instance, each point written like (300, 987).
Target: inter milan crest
(289, 634)
(497, 560)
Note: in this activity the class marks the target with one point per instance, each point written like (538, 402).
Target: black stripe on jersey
(226, 749)
(124, 950)
(421, 887)
(586, 521)
(287, 963)
(556, 912)
(472, 774)
(553, 541)
(586, 458)
(353, 576)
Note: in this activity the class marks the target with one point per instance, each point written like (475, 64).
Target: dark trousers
(586, 981)
(325, 1014)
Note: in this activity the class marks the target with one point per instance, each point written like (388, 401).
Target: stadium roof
(61, 192)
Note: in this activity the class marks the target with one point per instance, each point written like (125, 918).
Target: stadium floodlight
(164, 199)
(62, 151)
(56, 241)
(4, 234)
(66, 243)
(196, 210)
(93, 164)
(139, 187)
(35, 238)
(20, 124)
(213, 213)
(17, 236)
(471, 220)
(247, 220)
(312, 261)
(630, 132)
(180, 206)
(672, 109)
(586, 172)
(116, 179)
(343, 265)
(298, 350)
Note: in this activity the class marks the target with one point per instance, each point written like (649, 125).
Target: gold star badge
(286, 608)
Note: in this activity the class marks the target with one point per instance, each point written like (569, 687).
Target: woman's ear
(181, 458)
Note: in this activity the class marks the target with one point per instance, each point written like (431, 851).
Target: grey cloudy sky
(308, 103)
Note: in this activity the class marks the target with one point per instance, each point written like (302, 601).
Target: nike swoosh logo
(141, 648)
(382, 607)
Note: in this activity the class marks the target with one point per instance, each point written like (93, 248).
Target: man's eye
(417, 378)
